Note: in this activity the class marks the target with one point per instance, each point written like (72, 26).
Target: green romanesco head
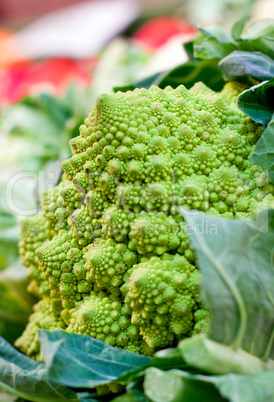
(110, 256)
(163, 294)
(106, 318)
(34, 234)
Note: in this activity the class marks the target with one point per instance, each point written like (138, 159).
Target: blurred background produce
(55, 58)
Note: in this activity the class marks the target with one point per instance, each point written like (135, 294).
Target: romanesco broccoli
(110, 256)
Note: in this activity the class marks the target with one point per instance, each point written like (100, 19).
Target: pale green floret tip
(110, 255)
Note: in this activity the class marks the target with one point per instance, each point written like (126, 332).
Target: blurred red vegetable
(21, 79)
(158, 31)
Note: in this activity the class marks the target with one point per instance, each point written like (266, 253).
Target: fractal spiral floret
(110, 255)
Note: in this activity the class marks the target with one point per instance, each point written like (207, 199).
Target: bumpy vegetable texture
(110, 256)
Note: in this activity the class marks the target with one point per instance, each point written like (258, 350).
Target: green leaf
(87, 397)
(213, 43)
(24, 120)
(15, 302)
(235, 258)
(238, 27)
(186, 74)
(36, 131)
(125, 88)
(7, 397)
(260, 28)
(145, 83)
(165, 359)
(230, 387)
(211, 48)
(154, 79)
(214, 358)
(241, 64)
(259, 37)
(131, 396)
(218, 33)
(170, 386)
(94, 362)
(168, 358)
(9, 238)
(28, 379)
(189, 46)
(263, 154)
(189, 73)
(45, 124)
(247, 388)
(54, 107)
(258, 102)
